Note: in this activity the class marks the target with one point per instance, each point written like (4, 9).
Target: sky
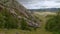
(40, 4)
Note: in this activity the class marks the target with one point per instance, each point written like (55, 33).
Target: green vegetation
(15, 25)
(53, 24)
(7, 20)
(23, 24)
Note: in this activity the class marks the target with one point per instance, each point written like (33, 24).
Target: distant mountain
(47, 9)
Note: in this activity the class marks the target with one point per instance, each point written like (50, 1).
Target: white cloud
(37, 4)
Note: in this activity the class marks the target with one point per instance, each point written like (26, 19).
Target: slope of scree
(16, 11)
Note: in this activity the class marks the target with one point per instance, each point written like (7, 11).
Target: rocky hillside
(12, 12)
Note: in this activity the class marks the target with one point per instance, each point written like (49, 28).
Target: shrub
(23, 24)
(53, 24)
(7, 20)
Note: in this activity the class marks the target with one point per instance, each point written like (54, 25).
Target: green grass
(38, 31)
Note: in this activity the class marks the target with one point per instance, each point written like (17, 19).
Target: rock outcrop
(19, 11)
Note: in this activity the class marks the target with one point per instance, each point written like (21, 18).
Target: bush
(53, 24)
(7, 20)
(23, 24)
(2, 21)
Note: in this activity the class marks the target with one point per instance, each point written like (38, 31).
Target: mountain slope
(12, 13)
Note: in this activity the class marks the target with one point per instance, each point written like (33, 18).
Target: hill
(45, 10)
(13, 14)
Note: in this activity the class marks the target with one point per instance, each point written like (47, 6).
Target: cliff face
(15, 10)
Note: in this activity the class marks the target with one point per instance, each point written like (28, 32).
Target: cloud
(38, 4)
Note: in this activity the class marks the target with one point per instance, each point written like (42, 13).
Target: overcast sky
(39, 4)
